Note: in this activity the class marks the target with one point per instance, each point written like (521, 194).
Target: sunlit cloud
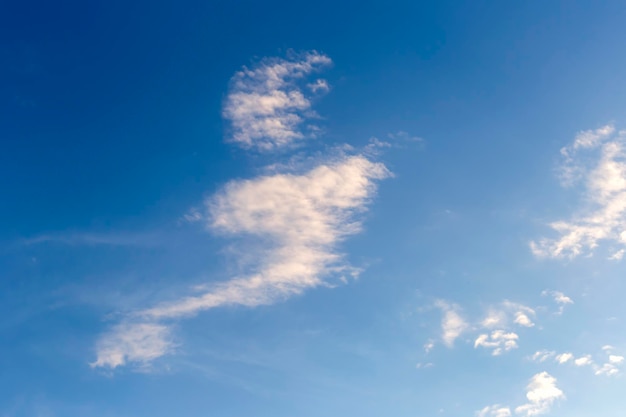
(266, 104)
(596, 161)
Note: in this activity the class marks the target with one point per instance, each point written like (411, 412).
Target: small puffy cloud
(502, 314)
(137, 343)
(542, 355)
(583, 361)
(564, 357)
(611, 367)
(428, 346)
(495, 410)
(541, 394)
(452, 323)
(559, 298)
(596, 160)
(498, 340)
(495, 318)
(607, 369)
(266, 105)
(299, 219)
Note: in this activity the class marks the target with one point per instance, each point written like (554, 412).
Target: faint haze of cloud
(561, 299)
(453, 324)
(266, 106)
(299, 218)
(596, 160)
(94, 239)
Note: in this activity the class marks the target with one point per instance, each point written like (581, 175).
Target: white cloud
(499, 316)
(583, 361)
(617, 255)
(494, 411)
(499, 319)
(602, 171)
(561, 299)
(499, 340)
(265, 105)
(541, 393)
(495, 318)
(423, 365)
(138, 343)
(428, 346)
(452, 324)
(299, 219)
(611, 367)
(542, 355)
(564, 357)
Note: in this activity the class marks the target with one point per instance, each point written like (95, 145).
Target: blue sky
(312, 209)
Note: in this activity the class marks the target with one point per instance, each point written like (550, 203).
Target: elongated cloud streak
(266, 106)
(299, 218)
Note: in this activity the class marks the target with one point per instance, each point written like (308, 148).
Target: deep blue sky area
(439, 233)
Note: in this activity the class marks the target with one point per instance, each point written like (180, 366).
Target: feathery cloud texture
(266, 105)
(597, 161)
(300, 220)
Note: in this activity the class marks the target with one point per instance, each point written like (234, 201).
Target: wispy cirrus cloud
(300, 219)
(267, 104)
(595, 160)
(138, 343)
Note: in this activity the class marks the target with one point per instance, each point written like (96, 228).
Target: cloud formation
(498, 340)
(596, 160)
(299, 219)
(266, 106)
(452, 323)
(494, 330)
(610, 365)
(139, 343)
(541, 394)
(494, 411)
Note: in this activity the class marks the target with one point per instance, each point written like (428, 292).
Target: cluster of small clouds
(267, 104)
(541, 394)
(596, 159)
(296, 219)
(495, 330)
(610, 365)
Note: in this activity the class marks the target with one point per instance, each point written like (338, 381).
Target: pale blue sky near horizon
(312, 209)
